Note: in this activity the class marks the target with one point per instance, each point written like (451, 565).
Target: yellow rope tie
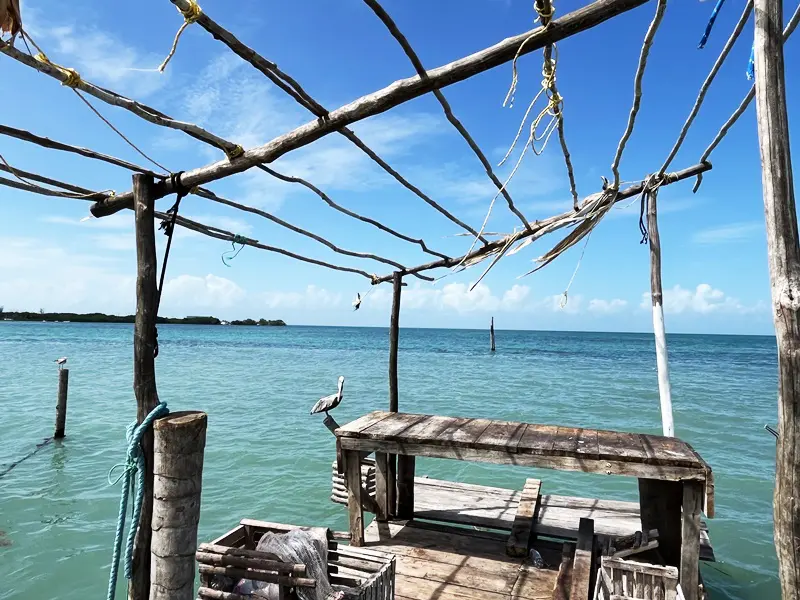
(190, 15)
(544, 17)
(73, 78)
(235, 152)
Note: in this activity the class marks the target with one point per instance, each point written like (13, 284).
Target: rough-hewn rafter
(391, 96)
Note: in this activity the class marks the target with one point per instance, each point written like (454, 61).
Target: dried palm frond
(10, 17)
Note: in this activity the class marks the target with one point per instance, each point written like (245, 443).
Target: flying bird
(357, 302)
(330, 402)
(61, 362)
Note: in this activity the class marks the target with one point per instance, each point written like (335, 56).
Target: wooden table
(675, 483)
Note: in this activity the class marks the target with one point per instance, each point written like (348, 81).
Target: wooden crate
(361, 573)
(619, 579)
(339, 487)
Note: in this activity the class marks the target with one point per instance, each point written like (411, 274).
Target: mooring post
(144, 374)
(659, 330)
(394, 339)
(491, 335)
(783, 252)
(61, 405)
(179, 443)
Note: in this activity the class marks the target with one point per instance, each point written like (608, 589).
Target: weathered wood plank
(582, 563)
(565, 441)
(427, 429)
(353, 428)
(564, 577)
(405, 487)
(588, 444)
(381, 483)
(617, 445)
(537, 439)
(354, 500)
(467, 433)
(524, 519)
(392, 427)
(534, 584)
(670, 451)
(501, 434)
(690, 537)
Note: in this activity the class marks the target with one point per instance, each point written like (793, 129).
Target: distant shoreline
(104, 318)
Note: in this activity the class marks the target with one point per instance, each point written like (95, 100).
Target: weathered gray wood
(562, 590)
(381, 483)
(657, 297)
(61, 404)
(394, 336)
(385, 99)
(207, 593)
(144, 375)
(501, 433)
(215, 554)
(179, 444)
(690, 536)
(405, 487)
(491, 336)
(524, 519)
(354, 427)
(582, 563)
(660, 503)
(355, 507)
(783, 247)
(267, 576)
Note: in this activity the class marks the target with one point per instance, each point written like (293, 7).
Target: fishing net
(298, 546)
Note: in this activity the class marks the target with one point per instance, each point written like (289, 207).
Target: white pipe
(662, 363)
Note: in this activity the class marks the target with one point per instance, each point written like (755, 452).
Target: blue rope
(133, 465)
(710, 25)
(751, 64)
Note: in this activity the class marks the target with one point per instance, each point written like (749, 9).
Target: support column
(662, 359)
(394, 339)
(352, 474)
(61, 406)
(690, 539)
(179, 444)
(783, 251)
(144, 375)
(660, 508)
(405, 486)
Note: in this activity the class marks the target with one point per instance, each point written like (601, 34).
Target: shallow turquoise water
(267, 458)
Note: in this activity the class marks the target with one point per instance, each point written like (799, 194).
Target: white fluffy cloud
(607, 306)
(703, 300)
(733, 232)
(189, 292)
(312, 297)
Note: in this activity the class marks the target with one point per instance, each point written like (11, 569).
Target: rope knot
(72, 77)
(192, 12)
(234, 152)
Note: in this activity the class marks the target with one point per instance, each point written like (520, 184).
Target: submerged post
(491, 334)
(656, 292)
(61, 406)
(179, 443)
(783, 251)
(144, 374)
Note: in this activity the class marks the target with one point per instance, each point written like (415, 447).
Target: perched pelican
(357, 302)
(61, 362)
(330, 402)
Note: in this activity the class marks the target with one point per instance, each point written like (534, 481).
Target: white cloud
(733, 232)
(703, 300)
(186, 293)
(312, 297)
(102, 58)
(596, 305)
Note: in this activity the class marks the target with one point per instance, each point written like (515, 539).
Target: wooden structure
(672, 486)
(620, 579)
(360, 574)
(683, 479)
(61, 404)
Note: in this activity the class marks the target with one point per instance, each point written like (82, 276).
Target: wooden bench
(674, 481)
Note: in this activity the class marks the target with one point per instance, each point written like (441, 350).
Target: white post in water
(662, 360)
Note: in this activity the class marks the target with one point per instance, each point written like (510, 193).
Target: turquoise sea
(267, 458)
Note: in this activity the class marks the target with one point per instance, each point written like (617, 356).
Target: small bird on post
(60, 361)
(330, 402)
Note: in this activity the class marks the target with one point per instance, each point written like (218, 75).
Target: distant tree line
(104, 318)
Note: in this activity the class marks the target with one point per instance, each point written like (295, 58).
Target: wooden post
(381, 488)
(180, 440)
(394, 340)
(660, 508)
(144, 374)
(783, 251)
(61, 406)
(405, 486)
(662, 360)
(690, 539)
(352, 474)
(491, 334)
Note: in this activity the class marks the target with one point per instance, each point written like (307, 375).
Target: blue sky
(715, 268)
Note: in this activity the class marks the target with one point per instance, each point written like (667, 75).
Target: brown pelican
(61, 362)
(330, 402)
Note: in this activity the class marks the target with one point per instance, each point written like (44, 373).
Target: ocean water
(267, 458)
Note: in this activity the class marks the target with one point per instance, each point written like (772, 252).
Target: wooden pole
(783, 250)
(179, 443)
(491, 334)
(656, 292)
(144, 375)
(394, 339)
(61, 406)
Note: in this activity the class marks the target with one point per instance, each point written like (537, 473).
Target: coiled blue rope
(710, 24)
(133, 466)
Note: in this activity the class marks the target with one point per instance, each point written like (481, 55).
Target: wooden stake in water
(179, 444)
(783, 252)
(491, 334)
(61, 406)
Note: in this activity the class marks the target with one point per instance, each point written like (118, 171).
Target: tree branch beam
(391, 96)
